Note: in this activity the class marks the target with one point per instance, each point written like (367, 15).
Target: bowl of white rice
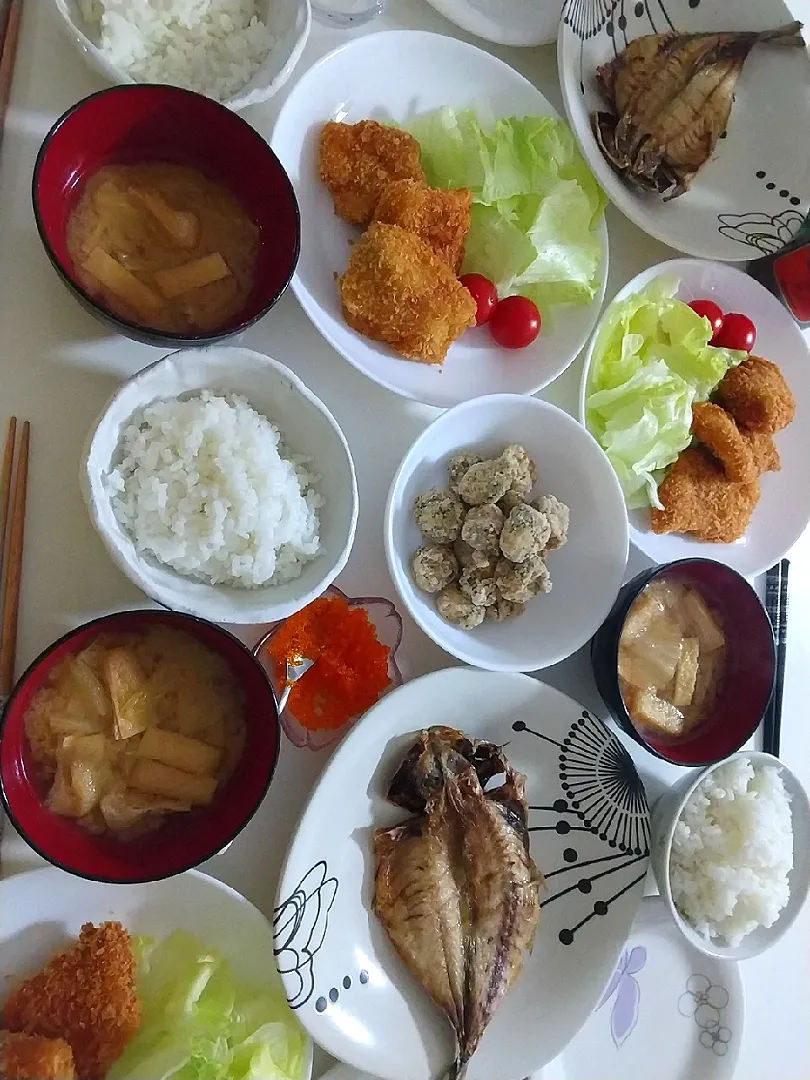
(239, 52)
(730, 855)
(222, 486)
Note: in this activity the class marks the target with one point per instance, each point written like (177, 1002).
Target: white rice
(732, 851)
(205, 485)
(212, 46)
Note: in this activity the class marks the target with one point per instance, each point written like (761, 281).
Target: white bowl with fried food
(782, 512)
(586, 571)
(406, 74)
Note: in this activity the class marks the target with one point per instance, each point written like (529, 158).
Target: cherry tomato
(738, 332)
(483, 293)
(711, 311)
(516, 322)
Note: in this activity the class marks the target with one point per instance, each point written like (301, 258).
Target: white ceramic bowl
(586, 573)
(754, 192)
(305, 423)
(783, 511)
(665, 815)
(405, 73)
(288, 21)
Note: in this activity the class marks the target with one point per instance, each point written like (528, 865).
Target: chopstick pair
(13, 490)
(10, 16)
(776, 605)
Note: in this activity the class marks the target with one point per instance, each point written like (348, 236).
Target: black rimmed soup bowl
(746, 676)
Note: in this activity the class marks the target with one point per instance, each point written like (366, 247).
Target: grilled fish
(455, 886)
(668, 98)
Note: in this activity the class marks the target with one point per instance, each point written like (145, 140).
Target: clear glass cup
(345, 14)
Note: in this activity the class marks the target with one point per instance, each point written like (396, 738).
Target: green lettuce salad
(650, 362)
(200, 1023)
(536, 207)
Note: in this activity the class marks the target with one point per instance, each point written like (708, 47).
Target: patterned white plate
(754, 193)
(589, 836)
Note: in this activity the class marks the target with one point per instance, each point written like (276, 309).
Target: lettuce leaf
(650, 362)
(199, 1023)
(536, 206)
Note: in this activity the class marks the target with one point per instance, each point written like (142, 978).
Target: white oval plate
(44, 909)
(586, 573)
(668, 1010)
(783, 511)
(391, 76)
(506, 22)
(589, 835)
(754, 193)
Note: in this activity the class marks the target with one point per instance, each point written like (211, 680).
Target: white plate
(668, 1011)
(44, 909)
(506, 22)
(783, 511)
(754, 193)
(586, 573)
(341, 974)
(391, 76)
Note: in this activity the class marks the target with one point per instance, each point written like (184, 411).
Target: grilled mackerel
(455, 886)
(668, 98)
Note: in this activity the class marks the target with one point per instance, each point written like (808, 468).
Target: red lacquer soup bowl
(184, 839)
(141, 124)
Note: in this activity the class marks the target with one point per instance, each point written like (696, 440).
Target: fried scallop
(398, 291)
(440, 217)
(717, 431)
(757, 396)
(357, 161)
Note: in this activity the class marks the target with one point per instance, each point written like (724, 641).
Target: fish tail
(783, 35)
(458, 1070)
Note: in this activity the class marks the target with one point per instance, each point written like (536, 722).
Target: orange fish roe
(351, 666)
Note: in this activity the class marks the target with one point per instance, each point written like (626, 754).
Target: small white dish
(287, 20)
(43, 909)
(665, 1003)
(783, 511)
(308, 428)
(665, 816)
(586, 573)
(589, 836)
(390, 77)
(753, 195)
(505, 22)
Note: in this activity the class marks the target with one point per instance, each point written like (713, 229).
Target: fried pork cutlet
(763, 449)
(699, 498)
(397, 290)
(716, 429)
(31, 1057)
(757, 396)
(84, 995)
(440, 217)
(357, 161)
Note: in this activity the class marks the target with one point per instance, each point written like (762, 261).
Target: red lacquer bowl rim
(122, 616)
(127, 326)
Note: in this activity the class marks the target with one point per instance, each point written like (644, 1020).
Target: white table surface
(57, 368)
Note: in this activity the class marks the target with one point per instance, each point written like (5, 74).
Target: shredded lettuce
(650, 362)
(199, 1023)
(536, 206)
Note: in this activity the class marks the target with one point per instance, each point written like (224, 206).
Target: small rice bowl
(205, 485)
(732, 851)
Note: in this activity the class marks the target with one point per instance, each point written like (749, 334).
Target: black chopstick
(776, 605)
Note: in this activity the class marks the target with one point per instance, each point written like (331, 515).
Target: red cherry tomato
(483, 293)
(738, 332)
(516, 323)
(711, 311)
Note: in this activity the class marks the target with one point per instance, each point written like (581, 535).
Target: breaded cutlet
(397, 290)
(357, 161)
(440, 216)
(699, 498)
(763, 448)
(32, 1057)
(84, 995)
(718, 432)
(757, 396)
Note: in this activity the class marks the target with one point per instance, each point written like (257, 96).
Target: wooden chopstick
(12, 574)
(5, 486)
(8, 56)
(776, 604)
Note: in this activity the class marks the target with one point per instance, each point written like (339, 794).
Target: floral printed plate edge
(665, 1003)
